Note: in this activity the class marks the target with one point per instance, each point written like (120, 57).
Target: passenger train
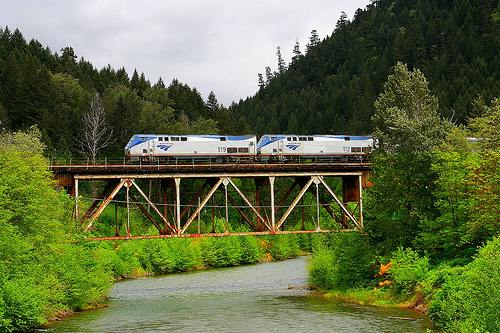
(241, 148)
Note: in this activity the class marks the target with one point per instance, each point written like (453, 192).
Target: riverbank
(248, 298)
(346, 268)
(128, 260)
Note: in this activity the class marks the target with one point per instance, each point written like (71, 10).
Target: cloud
(211, 45)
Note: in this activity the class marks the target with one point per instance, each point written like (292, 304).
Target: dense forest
(421, 76)
(54, 90)
(331, 88)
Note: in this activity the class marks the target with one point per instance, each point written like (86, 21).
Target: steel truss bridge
(160, 193)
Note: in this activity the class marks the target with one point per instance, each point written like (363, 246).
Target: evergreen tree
(313, 41)
(262, 84)
(212, 103)
(281, 62)
(269, 75)
(296, 52)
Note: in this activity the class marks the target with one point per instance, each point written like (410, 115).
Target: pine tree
(269, 75)
(262, 84)
(296, 52)
(281, 62)
(212, 103)
(313, 41)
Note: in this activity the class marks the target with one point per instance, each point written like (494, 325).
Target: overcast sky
(211, 45)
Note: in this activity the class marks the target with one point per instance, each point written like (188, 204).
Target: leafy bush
(469, 299)
(408, 269)
(221, 251)
(161, 256)
(250, 250)
(344, 259)
(321, 269)
(283, 246)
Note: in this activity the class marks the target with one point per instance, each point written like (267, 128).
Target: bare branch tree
(96, 134)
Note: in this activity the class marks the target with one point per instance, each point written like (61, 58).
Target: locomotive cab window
(144, 151)
(222, 138)
(346, 138)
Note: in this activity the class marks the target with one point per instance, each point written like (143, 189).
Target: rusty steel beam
(217, 175)
(344, 209)
(285, 195)
(249, 204)
(109, 187)
(193, 199)
(241, 212)
(153, 206)
(295, 201)
(251, 233)
(104, 204)
(147, 214)
(203, 203)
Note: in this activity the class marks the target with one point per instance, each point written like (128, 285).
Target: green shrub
(408, 269)
(283, 246)
(161, 256)
(321, 269)
(23, 305)
(221, 251)
(345, 259)
(250, 250)
(469, 300)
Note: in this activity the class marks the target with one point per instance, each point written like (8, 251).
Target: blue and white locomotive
(164, 147)
(289, 146)
(235, 148)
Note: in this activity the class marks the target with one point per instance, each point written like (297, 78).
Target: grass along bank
(458, 298)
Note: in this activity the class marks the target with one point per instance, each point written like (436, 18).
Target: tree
(269, 75)
(262, 84)
(212, 103)
(406, 115)
(296, 52)
(281, 62)
(313, 41)
(96, 134)
(407, 128)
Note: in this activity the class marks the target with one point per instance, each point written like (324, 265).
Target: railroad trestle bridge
(173, 197)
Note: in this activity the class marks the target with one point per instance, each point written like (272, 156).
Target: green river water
(268, 297)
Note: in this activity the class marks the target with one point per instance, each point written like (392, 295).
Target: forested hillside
(53, 90)
(333, 86)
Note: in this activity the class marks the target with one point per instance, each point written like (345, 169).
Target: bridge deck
(108, 169)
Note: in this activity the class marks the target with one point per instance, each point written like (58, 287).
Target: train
(246, 148)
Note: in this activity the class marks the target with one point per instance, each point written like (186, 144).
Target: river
(267, 297)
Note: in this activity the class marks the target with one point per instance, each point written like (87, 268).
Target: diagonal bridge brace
(211, 193)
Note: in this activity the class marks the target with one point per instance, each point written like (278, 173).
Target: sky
(212, 45)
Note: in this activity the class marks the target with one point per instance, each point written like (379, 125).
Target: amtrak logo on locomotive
(164, 146)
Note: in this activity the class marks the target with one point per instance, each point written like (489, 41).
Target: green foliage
(343, 260)
(283, 246)
(221, 251)
(171, 256)
(469, 299)
(333, 87)
(43, 268)
(406, 114)
(408, 269)
(250, 250)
